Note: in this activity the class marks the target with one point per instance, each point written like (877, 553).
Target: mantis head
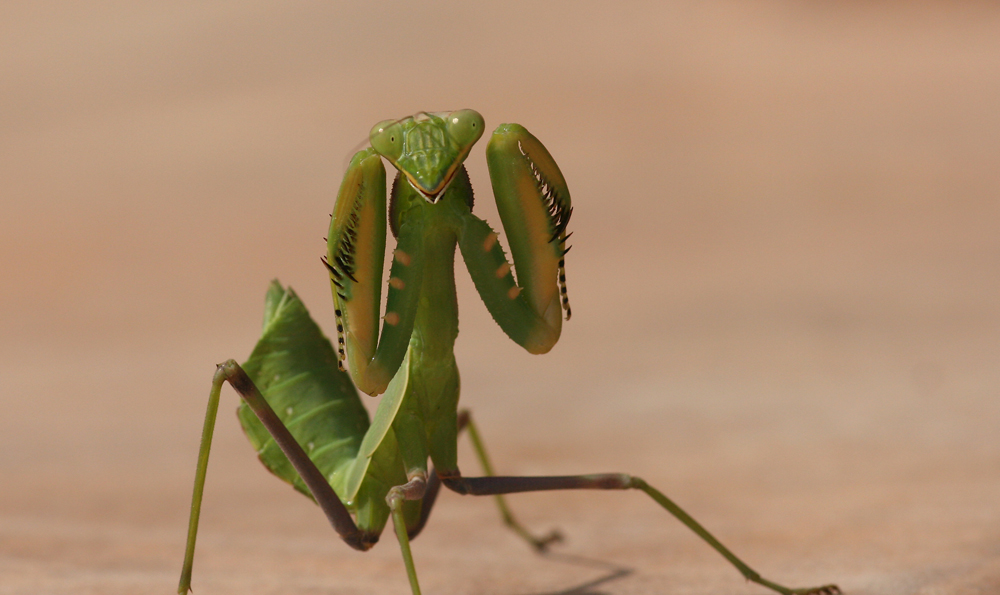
(428, 148)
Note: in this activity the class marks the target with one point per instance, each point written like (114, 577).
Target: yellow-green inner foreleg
(491, 274)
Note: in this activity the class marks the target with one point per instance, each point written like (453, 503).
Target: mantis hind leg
(540, 544)
(495, 486)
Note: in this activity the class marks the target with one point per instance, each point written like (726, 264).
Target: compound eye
(387, 138)
(465, 126)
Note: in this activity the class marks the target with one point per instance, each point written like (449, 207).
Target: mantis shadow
(614, 572)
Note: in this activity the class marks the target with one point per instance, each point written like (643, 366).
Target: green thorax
(426, 420)
(436, 325)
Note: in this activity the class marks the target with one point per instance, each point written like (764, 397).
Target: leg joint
(455, 482)
(612, 481)
(411, 490)
(463, 418)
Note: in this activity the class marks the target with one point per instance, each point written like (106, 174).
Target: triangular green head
(428, 147)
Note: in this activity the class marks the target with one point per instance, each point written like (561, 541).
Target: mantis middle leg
(427, 488)
(540, 544)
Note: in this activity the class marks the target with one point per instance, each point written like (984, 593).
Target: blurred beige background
(784, 283)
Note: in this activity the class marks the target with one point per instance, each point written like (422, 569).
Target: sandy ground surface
(784, 282)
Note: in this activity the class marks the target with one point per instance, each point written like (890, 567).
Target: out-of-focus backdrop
(785, 283)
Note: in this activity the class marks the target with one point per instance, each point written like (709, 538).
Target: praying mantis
(299, 407)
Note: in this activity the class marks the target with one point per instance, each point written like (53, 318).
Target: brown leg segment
(324, 495)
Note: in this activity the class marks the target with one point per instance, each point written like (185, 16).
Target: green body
(430, 214)
(302, 412)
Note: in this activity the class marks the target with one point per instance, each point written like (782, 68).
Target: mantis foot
(824, 590)
(541, 544)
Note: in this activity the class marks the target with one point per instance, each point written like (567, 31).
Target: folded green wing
(295, 368)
